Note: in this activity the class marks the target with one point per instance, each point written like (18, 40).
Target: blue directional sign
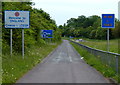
(108, 21)
(47, 33)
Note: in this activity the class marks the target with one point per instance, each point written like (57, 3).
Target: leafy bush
(39, 20)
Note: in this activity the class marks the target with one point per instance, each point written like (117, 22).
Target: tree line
(39, 20)
(88, 27)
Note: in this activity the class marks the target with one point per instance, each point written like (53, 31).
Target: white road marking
(58, 58)
(70, 58)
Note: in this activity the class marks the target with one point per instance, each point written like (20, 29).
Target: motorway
(64, 65)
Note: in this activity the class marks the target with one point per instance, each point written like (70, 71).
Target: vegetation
(102, 44)
(96, 63)
(39, 20)
(88, 27)
(15, 66)
(36, 48)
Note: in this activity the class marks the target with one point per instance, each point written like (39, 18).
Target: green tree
(39, 20)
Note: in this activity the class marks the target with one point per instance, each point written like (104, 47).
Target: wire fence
(107, 58)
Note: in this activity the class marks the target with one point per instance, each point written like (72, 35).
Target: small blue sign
(47, 33)
(108, 20)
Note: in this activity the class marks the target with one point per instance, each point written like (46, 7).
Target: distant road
(64, 65)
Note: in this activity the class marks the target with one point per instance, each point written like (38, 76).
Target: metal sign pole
(108, 40)
(50, 40)
(11, 42)
(23, 43)
(108, 45)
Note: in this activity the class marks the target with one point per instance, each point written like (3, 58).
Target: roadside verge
(96, 63)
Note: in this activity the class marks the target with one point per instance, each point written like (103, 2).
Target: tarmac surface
(64, 65)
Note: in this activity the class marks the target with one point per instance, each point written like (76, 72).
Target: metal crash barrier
(108, 58)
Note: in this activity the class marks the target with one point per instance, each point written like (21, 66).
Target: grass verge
(102, 44)
(93, 61)
(15, 66)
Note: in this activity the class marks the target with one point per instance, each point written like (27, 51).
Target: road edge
(41, 62)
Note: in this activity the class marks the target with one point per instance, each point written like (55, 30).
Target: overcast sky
(62, 10)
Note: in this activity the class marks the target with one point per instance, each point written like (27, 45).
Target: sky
(63, 10)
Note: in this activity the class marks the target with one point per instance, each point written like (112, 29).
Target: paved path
(64, 65)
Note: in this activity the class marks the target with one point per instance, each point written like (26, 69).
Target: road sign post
(17, 19)
(108, 44)
(11, 42)
(23, 43)
(108, 21)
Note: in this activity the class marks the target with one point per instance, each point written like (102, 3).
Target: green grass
(102, 44)
(0, 61)
(96, 63)
(15, 66)
(0, 69)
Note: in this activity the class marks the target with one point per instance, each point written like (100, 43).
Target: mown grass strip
(15, 66)
(96, 63)
(102, 44)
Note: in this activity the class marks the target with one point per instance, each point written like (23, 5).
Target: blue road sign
(47, 33)
(108, 21)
